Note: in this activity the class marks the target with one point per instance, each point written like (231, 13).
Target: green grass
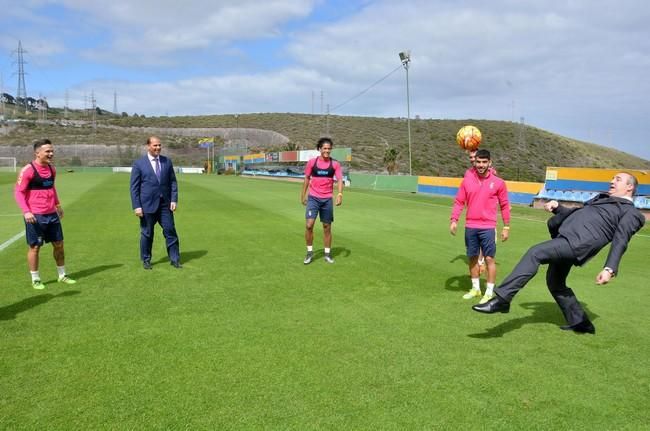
(247, 337)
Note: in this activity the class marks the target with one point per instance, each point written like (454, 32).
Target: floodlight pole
(405, 57)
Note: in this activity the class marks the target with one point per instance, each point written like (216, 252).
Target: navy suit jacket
(601, 220)
(146, 191)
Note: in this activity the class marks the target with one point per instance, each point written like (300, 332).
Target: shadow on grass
(336, 252)
(11, 311)
(462, 282)
(460, 257)
(542, 312)
(94, 270)
(186, 256)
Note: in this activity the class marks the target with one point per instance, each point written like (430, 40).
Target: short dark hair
(150, 138)
(323, 141)
(40, 142)
(482, 154)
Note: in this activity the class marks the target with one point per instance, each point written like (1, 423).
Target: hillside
(519, 152)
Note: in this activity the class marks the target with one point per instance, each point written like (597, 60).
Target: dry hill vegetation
(519, 152)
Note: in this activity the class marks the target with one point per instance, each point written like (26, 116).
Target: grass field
(247, 337)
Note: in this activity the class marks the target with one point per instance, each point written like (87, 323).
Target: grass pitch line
(11, 240)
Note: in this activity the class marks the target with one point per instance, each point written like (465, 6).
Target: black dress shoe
(584, 327)
(146, 264)
(494, 305)
(176, 264)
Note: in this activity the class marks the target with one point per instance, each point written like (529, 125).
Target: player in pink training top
(37, 198)
(480, 191)
(319, 180)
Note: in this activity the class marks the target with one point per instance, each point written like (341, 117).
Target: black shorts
(46, 229)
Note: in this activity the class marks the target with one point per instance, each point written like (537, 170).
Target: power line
(367, 89)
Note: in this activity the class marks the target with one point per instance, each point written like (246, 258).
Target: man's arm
(459, 204)
(174, 186)
(303, 193)
(504, 203)
(20, 193)
(631, 222)
(135, 183)
(338, 173)
(305, 183)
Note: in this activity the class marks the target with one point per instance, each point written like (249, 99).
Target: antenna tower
(115, 102)
(21, 92)
(93, 104)
(2, 95)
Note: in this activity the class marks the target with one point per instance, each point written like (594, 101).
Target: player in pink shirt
(472, 159)
(36, 196)
(480, 191)
(319, 180)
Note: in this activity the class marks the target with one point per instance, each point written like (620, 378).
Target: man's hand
(59, 211)
(138, 212)
(339, 199)
(172, 206)
(505, 234)
(603, 277)
(551, 205)
(29, 218)
(303, 199)
(452, 227)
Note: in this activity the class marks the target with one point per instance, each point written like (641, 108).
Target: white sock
(476, 284)
(327, 250)
(60, 270)
(490, 289)
(310, 248)
(35, 275)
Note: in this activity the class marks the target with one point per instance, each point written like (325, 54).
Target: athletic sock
(310, 248)
(490, 289)
(476, 284)
(35, 275)
(327, 250)
(60, 270)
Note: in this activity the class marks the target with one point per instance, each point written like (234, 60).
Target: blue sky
(578, 68)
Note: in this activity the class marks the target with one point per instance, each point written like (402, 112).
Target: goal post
(7, 164)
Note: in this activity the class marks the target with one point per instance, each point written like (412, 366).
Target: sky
(578, 68)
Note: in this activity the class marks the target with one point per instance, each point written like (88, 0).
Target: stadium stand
(575, 186)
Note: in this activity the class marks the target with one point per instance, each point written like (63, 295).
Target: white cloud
(143, 31)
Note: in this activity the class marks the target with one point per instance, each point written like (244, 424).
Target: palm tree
(390, 160)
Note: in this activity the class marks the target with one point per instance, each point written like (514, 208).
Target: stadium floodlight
(405, 58)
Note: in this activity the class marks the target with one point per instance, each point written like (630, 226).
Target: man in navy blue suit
(154, 194)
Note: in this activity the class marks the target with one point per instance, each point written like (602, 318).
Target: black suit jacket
(601, 220)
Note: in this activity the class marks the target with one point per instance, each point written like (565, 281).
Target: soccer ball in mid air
(468, 138)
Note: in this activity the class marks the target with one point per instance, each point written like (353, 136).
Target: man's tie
(158, 168)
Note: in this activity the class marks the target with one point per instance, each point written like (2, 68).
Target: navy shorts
(46, 229)
(320, 206)
(480, 239)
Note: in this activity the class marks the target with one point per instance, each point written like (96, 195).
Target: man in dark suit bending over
(154, 194)
(577, 235)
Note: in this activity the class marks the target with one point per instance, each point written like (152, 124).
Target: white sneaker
(308, 258)
(473, 293)
(328, 258)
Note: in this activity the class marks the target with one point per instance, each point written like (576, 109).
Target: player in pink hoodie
(481, 190)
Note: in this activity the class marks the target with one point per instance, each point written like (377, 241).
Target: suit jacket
(601, 220)
(146, 191)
